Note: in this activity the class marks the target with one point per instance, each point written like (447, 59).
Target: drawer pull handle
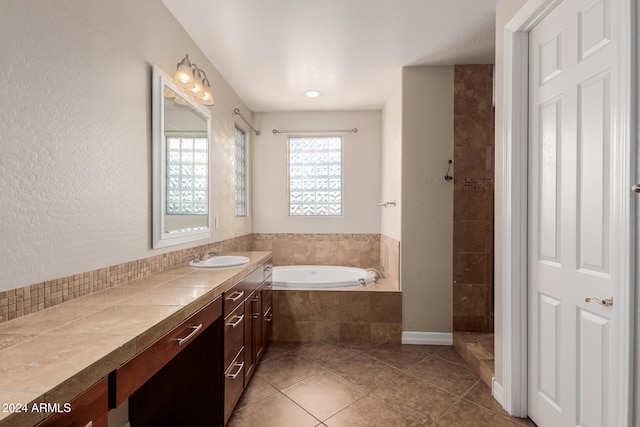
(235, 296)
(240, 366)
(89, 424)
(237, 322)
(191, 335)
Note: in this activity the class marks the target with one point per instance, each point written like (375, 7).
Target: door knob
(636, 188)
(607, 302)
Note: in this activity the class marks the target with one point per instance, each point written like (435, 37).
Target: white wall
(392, 162)
(75, 134)
(361, 172)
(426, 244)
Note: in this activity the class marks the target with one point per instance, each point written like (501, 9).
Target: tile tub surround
(337, 315)
(473, 199)
(350, 250)
(55, 354)
(30, 299)
(390, 257)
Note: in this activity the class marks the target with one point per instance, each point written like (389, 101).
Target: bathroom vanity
(180, 347)
(247, 308)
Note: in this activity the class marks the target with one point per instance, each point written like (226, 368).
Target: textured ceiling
(352, 51)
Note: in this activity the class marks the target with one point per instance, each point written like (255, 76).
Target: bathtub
(320, 276)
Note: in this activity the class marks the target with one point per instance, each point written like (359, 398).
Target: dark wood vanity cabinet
(89, 408)
(242, 355)
(178, 379)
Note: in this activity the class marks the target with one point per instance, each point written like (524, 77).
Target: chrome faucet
(377, 275)
(208, 253)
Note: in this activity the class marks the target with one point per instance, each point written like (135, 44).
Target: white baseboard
(427, 338)
(497, 391)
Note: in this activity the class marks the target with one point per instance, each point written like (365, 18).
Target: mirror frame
(162, 239)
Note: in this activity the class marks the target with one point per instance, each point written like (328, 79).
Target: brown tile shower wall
(337, 316)
(29, 299)
(473, 199)
(352, 250)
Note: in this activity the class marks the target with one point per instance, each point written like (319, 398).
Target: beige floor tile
(323, 394)
(327, 355)
(286, 370)
(480, 394)
(420, 400)
(274, 411)
(465, 413)
(308, 372)
(365, 372)
(398, 355)
(450, 354)
(258, 390)
(456, 379)
(369, 412)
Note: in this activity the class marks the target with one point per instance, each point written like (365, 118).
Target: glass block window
(315, 176)
(187, 175)
(241, 172)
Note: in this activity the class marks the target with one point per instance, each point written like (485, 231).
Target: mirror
(181, 135)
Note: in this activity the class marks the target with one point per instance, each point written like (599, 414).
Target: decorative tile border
(29, 299)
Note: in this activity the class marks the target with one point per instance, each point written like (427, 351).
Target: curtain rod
(354, 130)
(236, 112)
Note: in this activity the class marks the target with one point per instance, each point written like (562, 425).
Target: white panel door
(570, 248)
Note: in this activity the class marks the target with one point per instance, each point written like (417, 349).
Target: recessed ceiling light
(312, 93)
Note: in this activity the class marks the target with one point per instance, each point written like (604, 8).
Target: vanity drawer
(233, 298)
(233, 384)
(233, 334)
(90, 408)
(134, 373)
(253, 280)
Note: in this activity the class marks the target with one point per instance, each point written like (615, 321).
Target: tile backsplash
(29, 299)
(351, 250)
(358, 250)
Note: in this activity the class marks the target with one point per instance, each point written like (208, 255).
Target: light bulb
(184, 74)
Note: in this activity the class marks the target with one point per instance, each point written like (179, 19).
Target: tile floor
(332, 385)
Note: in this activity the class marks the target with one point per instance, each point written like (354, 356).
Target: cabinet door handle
(191, 335)
(268, 317)
(237, 322)
(235, 296)
(240, 366)
(89, 424)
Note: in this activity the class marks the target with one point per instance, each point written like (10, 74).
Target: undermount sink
(220, 261)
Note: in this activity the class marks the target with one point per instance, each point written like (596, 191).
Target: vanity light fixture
(312, 93)
(194, 80)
